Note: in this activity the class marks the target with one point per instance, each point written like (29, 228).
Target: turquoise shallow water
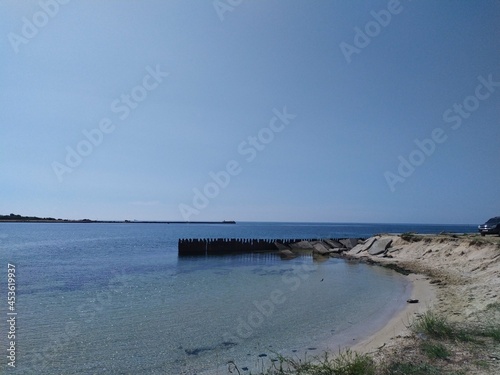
(115, 299)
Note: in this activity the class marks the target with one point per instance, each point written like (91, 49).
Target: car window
(493, 221)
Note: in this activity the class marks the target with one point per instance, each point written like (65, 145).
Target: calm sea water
(116, 299)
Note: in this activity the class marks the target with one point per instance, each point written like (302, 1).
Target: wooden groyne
(222, 246)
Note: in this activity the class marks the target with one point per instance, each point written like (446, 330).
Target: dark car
(492, 226)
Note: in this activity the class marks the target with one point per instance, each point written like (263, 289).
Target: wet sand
(398, 324)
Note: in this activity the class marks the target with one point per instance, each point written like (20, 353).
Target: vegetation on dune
(437, 346)
(478, 241)
(411, 237)
(472, 239)
(435, 326)
(407, 368)
(345, 363)
(435, 350)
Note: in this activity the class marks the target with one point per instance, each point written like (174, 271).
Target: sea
(96, 298)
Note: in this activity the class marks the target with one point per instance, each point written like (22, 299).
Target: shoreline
(455, 277)
(85, 221)
(397, 325)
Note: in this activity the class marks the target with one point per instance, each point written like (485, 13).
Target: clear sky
(321, 111)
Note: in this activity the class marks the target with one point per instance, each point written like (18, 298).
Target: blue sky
(169, 93)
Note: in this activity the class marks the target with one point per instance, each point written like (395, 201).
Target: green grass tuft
(411, 237)
(491, 331)
(406, 368)
(345, 363)
(439, 340)
(350, 363)
(495, 306)
(435, 350)
(477, 242)
(481, 363)
(438, 327)
(433, 325)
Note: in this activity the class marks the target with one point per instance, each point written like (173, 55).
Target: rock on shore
(324, 248)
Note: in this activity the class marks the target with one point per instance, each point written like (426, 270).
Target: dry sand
(457, 276)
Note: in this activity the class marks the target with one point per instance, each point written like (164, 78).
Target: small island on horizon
(15, 218)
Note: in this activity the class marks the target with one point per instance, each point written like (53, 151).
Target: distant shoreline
(33, 219)
(114, 222)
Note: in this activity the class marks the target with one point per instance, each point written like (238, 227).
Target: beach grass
(411, 237)
(345, 363)
(408, 368)
(438, 327)
(491, 330)
(436, 342)
(495, 306)
(435, 350)
(434, 326)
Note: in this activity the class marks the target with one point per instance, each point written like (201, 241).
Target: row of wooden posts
(216, 246)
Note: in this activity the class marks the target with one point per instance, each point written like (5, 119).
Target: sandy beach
(456, 276)
(397, 326)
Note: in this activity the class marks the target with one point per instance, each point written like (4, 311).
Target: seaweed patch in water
(196, 351)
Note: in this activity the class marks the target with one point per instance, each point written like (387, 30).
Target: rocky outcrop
(349, 243)
(380, 246)
(320, 248)
(287, 254)
(326, 247)
(302, 245)
(364, 245)
(337, 250)
(281, 246)
(334, 244)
